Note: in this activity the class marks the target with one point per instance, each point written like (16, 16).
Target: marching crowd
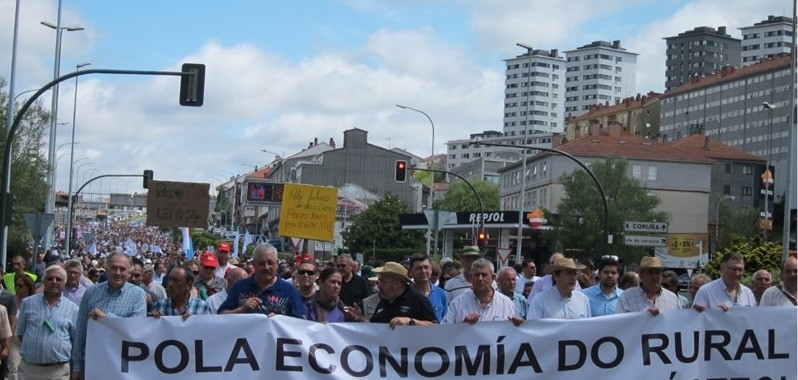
(45, 303)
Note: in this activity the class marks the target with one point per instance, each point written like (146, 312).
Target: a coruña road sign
(654, 227)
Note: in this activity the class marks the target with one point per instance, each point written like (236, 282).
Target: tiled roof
(716, 149)
(625, 104)
(731, 73)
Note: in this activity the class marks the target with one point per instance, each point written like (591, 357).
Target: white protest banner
(744, 343)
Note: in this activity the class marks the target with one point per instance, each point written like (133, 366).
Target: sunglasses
(306, 272)
(209, 268)
(196, 272)
(610, 257)
(342, 265)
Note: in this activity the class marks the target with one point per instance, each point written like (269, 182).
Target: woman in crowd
(305, 280)
(325, 306)
(24, 287)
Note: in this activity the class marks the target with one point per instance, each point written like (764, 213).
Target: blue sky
(281, 73)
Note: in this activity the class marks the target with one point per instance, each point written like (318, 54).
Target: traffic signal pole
(191, 94)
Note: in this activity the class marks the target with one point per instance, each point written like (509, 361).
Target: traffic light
(192, 87)
(482, 237)
(401, 171)
(147, 178)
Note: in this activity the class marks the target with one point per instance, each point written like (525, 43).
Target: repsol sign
(495, 217)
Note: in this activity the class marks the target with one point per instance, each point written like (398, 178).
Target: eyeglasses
(209, 268)
(196, 272)
(306, 272)
(341, 265)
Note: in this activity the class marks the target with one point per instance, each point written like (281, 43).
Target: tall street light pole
(10, 119)
(519, 244)
(72, 162)
(430, 238)
(767, 178)
(49, 206)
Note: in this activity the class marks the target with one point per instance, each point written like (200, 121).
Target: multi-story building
(639, 115)
(598, 73)
(701, 51)
(729, 107)
(483, 168)
(460, 152)
(766, 39)
(534, 93)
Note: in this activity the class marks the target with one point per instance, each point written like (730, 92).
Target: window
(652, 173)
(636, 169)
(746, 190)
(727, 170)
(726, 190)
(748, 169)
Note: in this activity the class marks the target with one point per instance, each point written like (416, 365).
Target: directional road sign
(657, 227)
(645, 241)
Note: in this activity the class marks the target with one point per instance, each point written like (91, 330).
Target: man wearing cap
(222, 256)
(207, 283)
(563, 300)
(400, 304)
(264, 292)
(649, 296)
(482, 302)
(604, 295)
(545, 282)
(461, 283)
(727, 291)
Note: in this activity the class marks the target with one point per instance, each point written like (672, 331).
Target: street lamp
(71, 160)
(767, 177)
(519, 244)
(50, 204)
(431, 175)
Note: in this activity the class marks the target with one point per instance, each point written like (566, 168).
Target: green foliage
(756, 253)
(423, 177)
(736, 224)
(28, 165)
(461, 198)
(378, 226)
(581, 211)
(202, 239)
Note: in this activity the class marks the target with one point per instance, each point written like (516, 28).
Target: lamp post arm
(479, 199)
(580, 163)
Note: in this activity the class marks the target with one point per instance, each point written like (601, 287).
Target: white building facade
(534, 93)
(766, 39)
(598, 73)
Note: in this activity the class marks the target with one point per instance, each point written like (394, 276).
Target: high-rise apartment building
(699, 52)
(534, 93)
(766, 39)
(598, 73)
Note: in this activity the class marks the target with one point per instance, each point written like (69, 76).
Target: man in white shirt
(727, 291)
(528, 274)
(783, 294)
(544, 283)
(481, 302)
(223, 256)
(561, 301)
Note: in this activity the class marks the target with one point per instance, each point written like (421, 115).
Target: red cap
(209, 260)
(223, 246)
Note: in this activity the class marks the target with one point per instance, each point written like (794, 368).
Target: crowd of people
(46, 302)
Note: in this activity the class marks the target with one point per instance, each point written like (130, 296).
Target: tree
(379, 226)
(756, 253)
(736, 224)
(581, 211)
(28, 166)
(460, 197)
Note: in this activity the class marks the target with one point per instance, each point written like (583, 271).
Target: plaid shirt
(634, 299)
(194, 306)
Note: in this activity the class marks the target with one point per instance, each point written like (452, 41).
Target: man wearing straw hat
(561, 301)
(461, 283)
(649, 295)
(400, 304)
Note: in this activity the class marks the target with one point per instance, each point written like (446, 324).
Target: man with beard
(561, 301)
(604, 295)
(264, 293)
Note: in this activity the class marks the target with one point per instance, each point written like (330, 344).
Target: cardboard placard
(178, 204)
(308, 212)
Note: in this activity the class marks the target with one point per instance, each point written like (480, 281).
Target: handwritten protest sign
(308, 212)
(177, 204)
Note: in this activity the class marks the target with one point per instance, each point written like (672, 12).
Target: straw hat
(650, 262)
(563, 264)
(394, 269)
(470, 250)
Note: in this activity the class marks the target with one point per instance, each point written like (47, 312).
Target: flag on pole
(247, 240)
(188, 245)
(235, 244)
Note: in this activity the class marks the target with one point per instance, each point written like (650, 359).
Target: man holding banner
(400, 304)
(649, 295)
(481, 302)
(563, 300)
(727, 291)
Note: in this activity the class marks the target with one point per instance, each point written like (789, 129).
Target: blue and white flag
(247, 240)
(235, 244)
(93, 248)
(188, 245)
(130, 247)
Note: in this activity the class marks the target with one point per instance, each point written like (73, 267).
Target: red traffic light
(400, 174)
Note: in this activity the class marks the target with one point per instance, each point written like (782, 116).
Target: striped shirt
(42, 344)
(194, 306)
(551, 304)
(634, 300)
(714, 293)
(500, 308)
(127, 301)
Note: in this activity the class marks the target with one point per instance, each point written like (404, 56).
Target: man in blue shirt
(264, 292)
(115, 298)
(420, 272)
(604, 295)
(45, 327)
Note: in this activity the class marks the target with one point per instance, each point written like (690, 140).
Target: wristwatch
(412, 322)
